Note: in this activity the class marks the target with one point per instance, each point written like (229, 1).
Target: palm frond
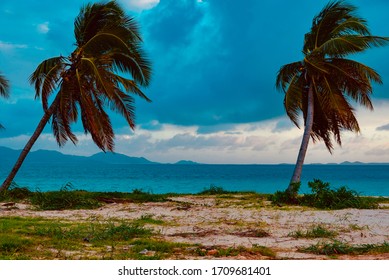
(293, 98)
(287, 74)
(61, 128)
(97, 17)
(332, 15)
(130, 86)
(108, 43)
(134, 63)
(47, 77)
(4, 87)
(350, 44)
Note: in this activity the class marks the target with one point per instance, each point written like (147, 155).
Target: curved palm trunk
(29, 145)
(304, 146)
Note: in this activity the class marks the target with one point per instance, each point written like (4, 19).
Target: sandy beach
(217, 222)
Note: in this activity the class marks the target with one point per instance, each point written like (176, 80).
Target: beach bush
(69, 198)
(322, 196)
(286, 197)
(140, 196)
(214, 190)
(15, 193)
(64, 199)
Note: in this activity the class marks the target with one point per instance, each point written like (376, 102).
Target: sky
(213, 90)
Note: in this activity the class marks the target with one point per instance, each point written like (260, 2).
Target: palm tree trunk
(29, 145)
(304, 146)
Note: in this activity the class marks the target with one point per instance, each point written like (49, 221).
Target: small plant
(148, 219)
(140, 196)
(315, 232)
(13, 244)
(340, 248)
(264, 251)
(64, 199)
(214, 190)
(122, 232)
(286, 197)
(15, 193)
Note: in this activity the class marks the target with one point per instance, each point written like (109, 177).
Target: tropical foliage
(106, 66)
(4, 89)
(324, 84)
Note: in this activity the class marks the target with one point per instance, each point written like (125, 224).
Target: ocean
(167, 178)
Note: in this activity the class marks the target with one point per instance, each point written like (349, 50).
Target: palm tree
(106, 65)
(322, 85)
(4, 89)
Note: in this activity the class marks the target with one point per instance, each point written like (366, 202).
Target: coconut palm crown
(106, 67)
(323, 85)
(107, 43)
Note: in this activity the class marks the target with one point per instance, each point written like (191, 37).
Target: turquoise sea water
(164, 178)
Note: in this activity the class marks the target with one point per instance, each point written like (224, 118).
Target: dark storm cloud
(214, 63)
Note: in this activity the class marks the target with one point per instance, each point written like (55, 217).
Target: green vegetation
(214, 190)
(67, 198)
(219, 252)
(16, 193)
(315, 232)
(4, 89)
(36, 238)
(339, 248)
(64, 199)
(148, 219)
(323, 197)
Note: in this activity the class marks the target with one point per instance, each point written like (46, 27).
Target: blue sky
(214, 68)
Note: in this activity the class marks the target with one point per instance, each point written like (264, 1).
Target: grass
(340, 248)
(37, 238)
(315, 232)
(148, 219)
(219, 252)
(68, 198)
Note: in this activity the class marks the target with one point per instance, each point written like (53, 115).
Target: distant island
(9, 156)
(186, 162)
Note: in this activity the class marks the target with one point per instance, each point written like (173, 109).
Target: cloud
(283, 125)
(384, 127)
(139, 5)
(43, 27)
(6, 46)
(379, 152)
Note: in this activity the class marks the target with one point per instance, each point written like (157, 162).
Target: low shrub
(214, 190)
(324, 197)
(64, 199)
(15, 193)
